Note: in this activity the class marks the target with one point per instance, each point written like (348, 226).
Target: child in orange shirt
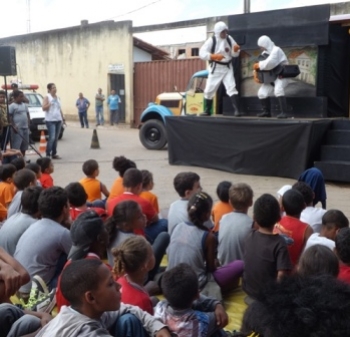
(147, 186)
(46, 165)
(92, 186)
(223, 206)
(120, 164)
(7, 189)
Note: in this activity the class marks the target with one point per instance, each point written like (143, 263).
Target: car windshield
(35, 100)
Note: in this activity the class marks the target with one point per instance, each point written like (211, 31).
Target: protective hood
(265, 42)
(218, 28)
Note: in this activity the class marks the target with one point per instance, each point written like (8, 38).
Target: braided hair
(199, 206)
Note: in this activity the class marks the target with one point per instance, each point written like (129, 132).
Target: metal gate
(153, 78)
(117, 83)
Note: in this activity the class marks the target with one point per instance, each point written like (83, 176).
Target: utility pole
(28, 16)
(246, 6)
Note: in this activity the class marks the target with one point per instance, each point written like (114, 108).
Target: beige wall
(76, 59)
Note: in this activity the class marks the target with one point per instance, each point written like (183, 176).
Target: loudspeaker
(7, 61)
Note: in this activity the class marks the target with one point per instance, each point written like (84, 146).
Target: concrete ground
(74, 148)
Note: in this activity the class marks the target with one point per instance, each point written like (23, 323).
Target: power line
(135, 10)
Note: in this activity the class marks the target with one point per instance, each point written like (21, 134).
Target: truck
(152, 131)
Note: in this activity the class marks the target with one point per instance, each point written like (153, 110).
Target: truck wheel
(153, 135)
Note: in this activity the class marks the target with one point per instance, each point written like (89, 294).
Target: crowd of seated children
(132, 182)
(193, 243)
(147, 187)
(92, 186)
(332, 221)
(21, 179)
(133, 260)
(266, 256)
(291, 226)
(47, 169)
(96, 309)
(223, 206)
(235, 226)
(311, 215)
(89, 241)
(120, 164)
(13, 228)
(184, 311)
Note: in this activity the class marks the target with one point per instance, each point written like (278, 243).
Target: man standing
(219, 50)
(14, 87)
(113, 103)
(99, 98)
(19, 119)
(274, 57)
(83, 105)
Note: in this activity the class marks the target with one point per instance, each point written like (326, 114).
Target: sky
(52, 14)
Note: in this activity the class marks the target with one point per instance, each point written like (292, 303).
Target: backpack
(214, 43)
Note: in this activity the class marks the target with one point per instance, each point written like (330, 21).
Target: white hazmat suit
(220, 71)
(275, 57)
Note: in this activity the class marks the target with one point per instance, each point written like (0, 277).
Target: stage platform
(246, 145)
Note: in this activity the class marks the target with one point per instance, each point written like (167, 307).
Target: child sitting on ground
(147, 187)
(92, 186)
(121, 165)
(19, 163)
(7, 189)
(47, 168)
(37, 170)
(235, 226)
(223, 206)
(126, 221)
(185, 312)
(311, 215)
(293, 204)
(332, 221)
(133, 260)
(186, 184)
(193, 243)
(95, 306)
(89, 238)
(342, 250)
(77, 202)
(266, 257)
(21, 179)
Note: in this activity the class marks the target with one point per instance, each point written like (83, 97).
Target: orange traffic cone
(43, 143)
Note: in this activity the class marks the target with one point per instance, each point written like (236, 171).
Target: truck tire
(153, 135)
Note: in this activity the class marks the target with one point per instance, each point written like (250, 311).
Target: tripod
(7, 136)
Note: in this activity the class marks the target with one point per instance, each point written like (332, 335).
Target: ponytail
(199, 206)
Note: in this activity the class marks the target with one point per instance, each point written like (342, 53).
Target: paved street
(115, 141)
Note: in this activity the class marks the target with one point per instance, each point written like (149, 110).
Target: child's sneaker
(39, 298)
(45, 303)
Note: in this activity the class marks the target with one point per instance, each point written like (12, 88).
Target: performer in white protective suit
(274, 58)
(219, 50)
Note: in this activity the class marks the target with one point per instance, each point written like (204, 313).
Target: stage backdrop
(259, 147)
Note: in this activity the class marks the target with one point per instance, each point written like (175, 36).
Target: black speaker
(7, 61)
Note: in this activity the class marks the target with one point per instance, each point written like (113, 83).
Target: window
(181, 51)
(170, 103)
(195, 52)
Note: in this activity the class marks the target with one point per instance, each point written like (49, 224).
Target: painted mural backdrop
(304, 85)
